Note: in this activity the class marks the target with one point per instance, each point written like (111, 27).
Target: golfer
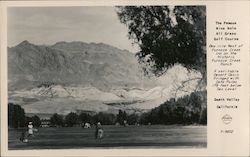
(99, 131)
(30, 129)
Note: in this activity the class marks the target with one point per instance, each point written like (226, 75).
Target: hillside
(78, 76)
(100, 65)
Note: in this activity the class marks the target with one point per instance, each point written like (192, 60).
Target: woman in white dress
(30, 129)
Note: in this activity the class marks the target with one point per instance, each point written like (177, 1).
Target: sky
(48, 25)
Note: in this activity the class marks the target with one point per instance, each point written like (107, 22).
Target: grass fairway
(153, 136)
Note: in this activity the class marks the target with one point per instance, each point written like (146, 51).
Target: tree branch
(183, 83)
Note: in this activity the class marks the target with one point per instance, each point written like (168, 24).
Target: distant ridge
(72, 63)
(77, 77)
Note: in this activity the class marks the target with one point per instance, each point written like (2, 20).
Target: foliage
(16, 116)
(133, 119)
(122, 115)
(185, 110)
(105, 118)
(34, 119)
(203, 117)
(85, 118)
(56, 120)
(167, 36)
(71, 119)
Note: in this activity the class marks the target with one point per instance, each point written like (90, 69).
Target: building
(45, 123)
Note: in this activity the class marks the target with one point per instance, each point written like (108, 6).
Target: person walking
(99, 131)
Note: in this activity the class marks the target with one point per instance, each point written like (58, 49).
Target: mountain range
(71, 63)
(77, 76)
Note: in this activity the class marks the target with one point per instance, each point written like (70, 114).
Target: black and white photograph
(105, 77)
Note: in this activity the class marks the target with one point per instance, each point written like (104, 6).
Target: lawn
(153, 136)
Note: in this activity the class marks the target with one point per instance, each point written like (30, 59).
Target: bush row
(191, 109)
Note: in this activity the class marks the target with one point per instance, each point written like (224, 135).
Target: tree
(36, 121)
(167, 36)
(105, 118)
(185, 110)
(27, 120)
(121, 117)
(71, 119)
(203, 119)
(56, 120)
(16, 115)
(133, 119)
(85, 118)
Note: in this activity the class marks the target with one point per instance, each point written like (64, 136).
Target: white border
(215, 147)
